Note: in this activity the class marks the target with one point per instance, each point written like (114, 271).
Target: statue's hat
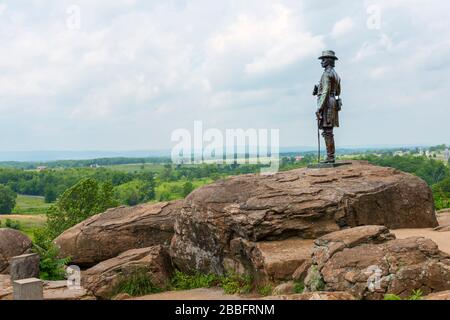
(328, 54)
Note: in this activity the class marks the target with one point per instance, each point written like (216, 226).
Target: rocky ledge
(224, 226)
(106, 235)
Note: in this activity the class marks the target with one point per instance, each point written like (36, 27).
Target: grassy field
(29, 205)
(27, 223)
(136, 167)
(29, 213)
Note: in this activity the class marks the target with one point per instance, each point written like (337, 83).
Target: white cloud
(136, 70)
(342, 27)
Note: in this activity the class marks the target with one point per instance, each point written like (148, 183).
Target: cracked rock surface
(221, 224)
(368, 262)
(106, 235)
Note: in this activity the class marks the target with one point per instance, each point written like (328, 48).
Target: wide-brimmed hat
(328, 54)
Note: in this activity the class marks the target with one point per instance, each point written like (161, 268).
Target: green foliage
(188, 187)
(12, 224)
(136, 282)
(430, 170)
(415, 295)
(315, 281)
(299, 287)
(135, 192)
(182, 281)
(441, 194)
(50, 194)
(7, 199)
(83, 200)
(51, 266)
(167, 191)
(231, 283)
(434, 172)
(265, 290)
(392, 297)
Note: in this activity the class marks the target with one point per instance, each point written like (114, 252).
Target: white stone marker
(28, 289)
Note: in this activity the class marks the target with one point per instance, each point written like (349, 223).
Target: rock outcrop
(368, 262)
(12, 243)
(106, 235)
(154, 261)
(221, 225)
(444, 295)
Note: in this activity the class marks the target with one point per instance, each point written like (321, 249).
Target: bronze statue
(328, 103)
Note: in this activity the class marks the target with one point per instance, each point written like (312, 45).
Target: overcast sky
(123, 74)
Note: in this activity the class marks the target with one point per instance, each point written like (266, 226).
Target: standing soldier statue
(328, 103)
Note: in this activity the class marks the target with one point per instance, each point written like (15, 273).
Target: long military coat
(329, 88)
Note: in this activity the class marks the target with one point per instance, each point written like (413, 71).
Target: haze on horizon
(122, 75)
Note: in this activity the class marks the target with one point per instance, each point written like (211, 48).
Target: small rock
(284, 289)
(101, 279)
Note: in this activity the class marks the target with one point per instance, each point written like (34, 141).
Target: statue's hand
(318, 115)
(315, 90)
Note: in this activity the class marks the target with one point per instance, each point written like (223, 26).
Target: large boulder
(303, 203)
(368, 262)
(154, 261)
(108, 234)
(12, 243)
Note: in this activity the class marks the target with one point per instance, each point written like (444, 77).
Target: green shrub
(76, 204)
(182, 281)
(415, 295)
(136, 282)
(233, 284)
(265, 290)
(7, 199)
(51, 266)
(315, 281)
(12, 224)
(299, 287)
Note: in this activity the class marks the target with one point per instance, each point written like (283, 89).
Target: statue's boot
(331, 149)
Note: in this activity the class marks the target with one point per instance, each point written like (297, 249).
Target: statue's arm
(338, 89)
(325, 93)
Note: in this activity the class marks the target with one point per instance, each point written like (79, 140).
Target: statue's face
(326, 62)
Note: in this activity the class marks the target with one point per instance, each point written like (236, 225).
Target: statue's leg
(329, 142)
